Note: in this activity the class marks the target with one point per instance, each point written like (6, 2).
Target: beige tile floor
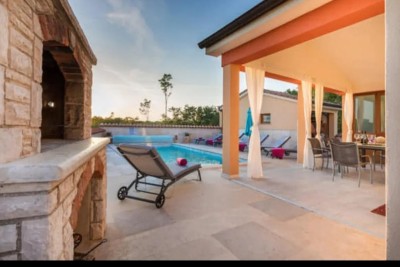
(292, 214)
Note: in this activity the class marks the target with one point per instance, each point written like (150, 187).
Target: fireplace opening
(53, 96)
(84, 213)
(65, 116)
(88, 207)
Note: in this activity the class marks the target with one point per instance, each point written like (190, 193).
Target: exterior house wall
(283, 113)
(284, 116)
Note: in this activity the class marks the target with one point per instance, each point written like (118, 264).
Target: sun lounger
(244, 144)
(288, 151)
(278, 143)
(147, 162)
(214, 141)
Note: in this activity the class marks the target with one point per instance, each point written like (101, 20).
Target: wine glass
(357, 137)
(371, 138)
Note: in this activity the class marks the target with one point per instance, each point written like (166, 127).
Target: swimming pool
(170, 153)
(142, 139)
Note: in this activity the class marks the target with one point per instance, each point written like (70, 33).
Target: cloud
(130, 16)
(135, 79)
(121, 91)
(128, 73)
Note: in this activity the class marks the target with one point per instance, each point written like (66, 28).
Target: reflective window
(364, 111)
(369, 113)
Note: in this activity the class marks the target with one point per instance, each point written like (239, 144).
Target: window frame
(377, 111)
(265, 118)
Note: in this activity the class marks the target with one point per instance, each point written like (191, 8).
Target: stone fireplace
(52, 173)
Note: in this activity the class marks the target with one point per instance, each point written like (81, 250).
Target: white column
(392, 24)
(230, 122)
(318, 103)
(333, 122)
(348, 113)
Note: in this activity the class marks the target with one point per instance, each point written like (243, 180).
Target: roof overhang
(276, 17)
(340, 44)
(349, 59)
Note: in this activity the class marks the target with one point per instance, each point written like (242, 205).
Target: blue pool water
(141, 139)
(170, 153)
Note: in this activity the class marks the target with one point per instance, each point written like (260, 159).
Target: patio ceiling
(352, 58)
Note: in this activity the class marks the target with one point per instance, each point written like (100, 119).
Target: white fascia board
(269, 21)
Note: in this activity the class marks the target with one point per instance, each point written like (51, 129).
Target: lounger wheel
(122, 193)
(160, 201)
(77, 239)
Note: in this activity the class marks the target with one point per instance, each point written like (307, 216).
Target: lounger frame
(166, 179)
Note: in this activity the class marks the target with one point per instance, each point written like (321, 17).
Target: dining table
(373, 147)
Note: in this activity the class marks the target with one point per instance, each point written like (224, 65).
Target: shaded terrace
(346, 47)
(221, 219)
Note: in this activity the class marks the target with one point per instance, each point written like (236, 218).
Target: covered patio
(285, 217)
(349, 47)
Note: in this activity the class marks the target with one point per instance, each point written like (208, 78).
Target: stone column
(230, 121)
(392, 24)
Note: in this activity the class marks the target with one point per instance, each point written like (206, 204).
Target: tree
(145, 108)
(166, 87)
(209, 115)
(333, 98)
(176, 115)
(291, 91)
(191, 115)
(97, 120)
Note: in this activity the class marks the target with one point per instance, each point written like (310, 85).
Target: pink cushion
(181, 161)
(242, 146)
(277, 153)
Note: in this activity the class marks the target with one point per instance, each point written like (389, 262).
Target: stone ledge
(8, 235)
(49, 167)
(14, 207)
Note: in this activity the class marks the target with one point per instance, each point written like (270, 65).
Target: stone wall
(38, 216)
(40, 194)
(27, 28)
(20, 77)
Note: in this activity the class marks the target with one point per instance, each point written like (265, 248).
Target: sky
(137, 41)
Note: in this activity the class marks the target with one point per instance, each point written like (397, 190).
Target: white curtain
(348, 115)
(319, 99)
(255, 87)
(307, 102)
